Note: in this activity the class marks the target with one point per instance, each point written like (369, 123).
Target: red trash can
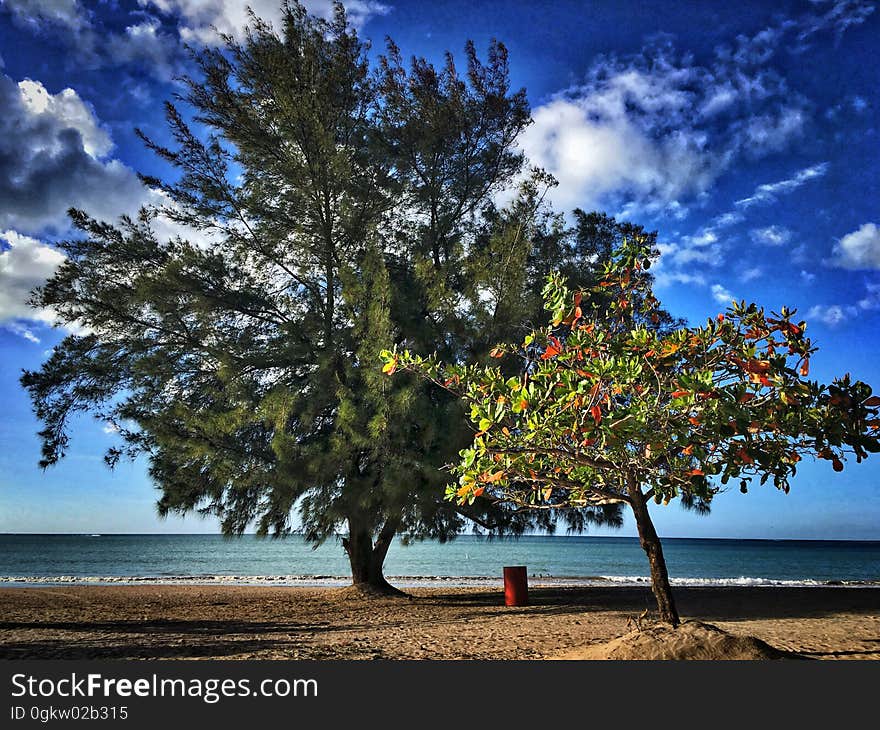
(516, 586)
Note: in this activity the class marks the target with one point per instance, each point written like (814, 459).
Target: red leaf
(680, 393)
(805, 368)
(757, 366)
(873, 401)
(577, 298)
(694, 473)
(496, 352)
(744, 457)
(837, 465)
(694, 421)
(478, 492)
(596, 412)
(553, 349)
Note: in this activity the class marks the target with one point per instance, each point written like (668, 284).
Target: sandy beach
(240, 622)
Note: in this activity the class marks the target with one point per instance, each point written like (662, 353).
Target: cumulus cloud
(203, 20)
(658, 129)
(54, 155)
(771, 235)
(859, 249)
(25, 263)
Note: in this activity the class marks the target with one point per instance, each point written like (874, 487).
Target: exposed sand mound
(690, 640)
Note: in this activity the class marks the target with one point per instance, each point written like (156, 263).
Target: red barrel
(516, 586)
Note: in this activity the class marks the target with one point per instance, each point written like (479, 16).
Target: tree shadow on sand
(716, 603)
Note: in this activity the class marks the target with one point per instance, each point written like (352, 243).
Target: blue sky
(745, 133)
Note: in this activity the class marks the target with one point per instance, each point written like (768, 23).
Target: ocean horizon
(205, 559)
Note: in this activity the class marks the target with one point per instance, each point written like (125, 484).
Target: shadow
(717, 602)
(161, 639)
(160, 626)
(837, 653)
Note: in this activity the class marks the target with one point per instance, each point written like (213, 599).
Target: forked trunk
(650, 543)
(367, 558)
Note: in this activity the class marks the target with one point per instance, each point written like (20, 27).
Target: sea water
(468, 560)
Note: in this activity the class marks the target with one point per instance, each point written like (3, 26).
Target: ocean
(468, 560)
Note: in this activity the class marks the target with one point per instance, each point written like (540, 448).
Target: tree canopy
(329, 208)
(608, 411)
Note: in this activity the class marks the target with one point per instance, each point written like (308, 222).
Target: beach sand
(240, 622)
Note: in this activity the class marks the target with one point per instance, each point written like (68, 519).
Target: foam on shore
(329, 581)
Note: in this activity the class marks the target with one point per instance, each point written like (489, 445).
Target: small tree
(608, 410)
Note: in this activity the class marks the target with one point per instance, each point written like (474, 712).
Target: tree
(334, 205)
(609, 411)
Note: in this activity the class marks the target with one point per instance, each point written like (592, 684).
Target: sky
(745, 133)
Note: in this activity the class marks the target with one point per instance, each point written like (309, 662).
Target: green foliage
(240, 363)
(341, 209)
(603, 402)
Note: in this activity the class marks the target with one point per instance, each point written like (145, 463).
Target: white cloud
(831, 315)
(722, 295)
(706, 245)
(64, 110)
(838, 16)
(145, 45)
(54, 155)
(771, 235)
(750, 274)
(871, 300)
(835, 314)
(654, 131)
(769, 192)
(25, 263)
(201, 20)
(39, 13)
(17, 328)
(859, 249)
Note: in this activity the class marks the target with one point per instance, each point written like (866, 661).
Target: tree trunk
(368, 558)
(650, 543)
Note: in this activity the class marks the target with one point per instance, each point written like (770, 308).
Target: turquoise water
(41, 559)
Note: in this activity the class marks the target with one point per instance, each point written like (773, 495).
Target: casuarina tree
(335, 205)
(606, 410)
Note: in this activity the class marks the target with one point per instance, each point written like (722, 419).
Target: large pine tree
(341, 210)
